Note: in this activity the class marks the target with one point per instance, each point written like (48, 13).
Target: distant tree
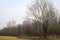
(27, 24)
(10, 25)
(19, 29)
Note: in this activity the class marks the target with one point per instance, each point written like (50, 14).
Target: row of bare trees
(31, 28)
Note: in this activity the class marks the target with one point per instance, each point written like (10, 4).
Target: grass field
(10, 38)
(15, 38)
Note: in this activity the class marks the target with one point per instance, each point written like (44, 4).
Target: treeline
(29, 28)
(42, 21)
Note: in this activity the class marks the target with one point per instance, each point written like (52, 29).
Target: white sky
(15, 10)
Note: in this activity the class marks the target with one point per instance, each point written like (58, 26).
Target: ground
(10, 38)
(15, 38)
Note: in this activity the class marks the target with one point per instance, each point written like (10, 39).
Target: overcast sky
(15, 10)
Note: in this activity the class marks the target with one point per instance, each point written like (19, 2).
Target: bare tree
(43, 11)
(10, 25)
